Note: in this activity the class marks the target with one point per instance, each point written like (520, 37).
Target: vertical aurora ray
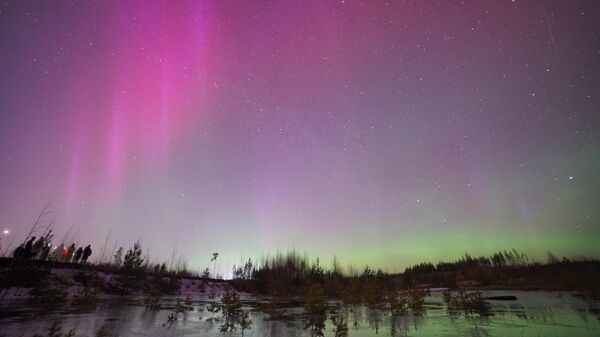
(157, 88)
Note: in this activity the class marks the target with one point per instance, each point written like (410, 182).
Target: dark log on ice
(502, 298)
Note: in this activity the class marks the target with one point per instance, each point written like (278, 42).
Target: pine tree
(133, 259)
(118, 258)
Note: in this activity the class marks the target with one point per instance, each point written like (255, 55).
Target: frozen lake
(534, 313)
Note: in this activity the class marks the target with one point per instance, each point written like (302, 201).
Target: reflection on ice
(532, 314)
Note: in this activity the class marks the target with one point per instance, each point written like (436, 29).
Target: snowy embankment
(73, 283)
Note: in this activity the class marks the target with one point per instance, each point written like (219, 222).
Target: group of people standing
(70, 254)
(34, 249)
(40, 249)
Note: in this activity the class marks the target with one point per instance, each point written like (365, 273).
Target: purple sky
(384, 132)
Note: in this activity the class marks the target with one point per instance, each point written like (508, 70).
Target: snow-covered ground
(68, 276)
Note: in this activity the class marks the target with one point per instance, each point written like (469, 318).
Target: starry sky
(384, 132)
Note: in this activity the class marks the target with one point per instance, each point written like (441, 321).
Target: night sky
(385, 133)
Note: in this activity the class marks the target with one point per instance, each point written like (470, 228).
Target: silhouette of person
(86, 253)
(77, 255)
(63, 254)
(45, 252)
(28, 248)
(37, 247)
(70, 252)
(19, 252)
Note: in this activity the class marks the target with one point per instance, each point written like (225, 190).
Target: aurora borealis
(385, 133)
